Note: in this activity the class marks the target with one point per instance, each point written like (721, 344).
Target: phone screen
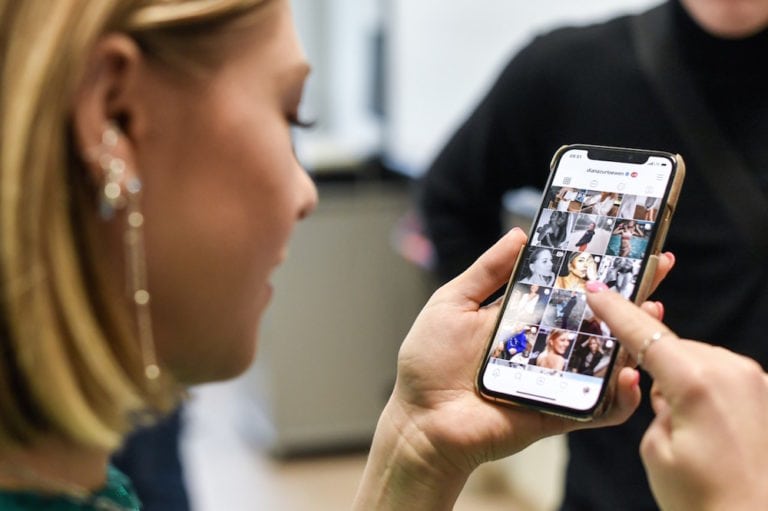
(598, 220)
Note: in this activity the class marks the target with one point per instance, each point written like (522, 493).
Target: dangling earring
(118, 193)
(111, 198)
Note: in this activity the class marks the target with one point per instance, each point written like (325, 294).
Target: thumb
(491, 270)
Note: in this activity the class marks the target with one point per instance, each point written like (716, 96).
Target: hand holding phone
(446, 427)
(605, 213)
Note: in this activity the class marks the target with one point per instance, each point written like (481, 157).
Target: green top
(117, 495)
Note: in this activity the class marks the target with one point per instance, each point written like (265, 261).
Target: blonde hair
(70, 363)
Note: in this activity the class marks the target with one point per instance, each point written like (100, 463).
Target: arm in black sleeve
(460, 196)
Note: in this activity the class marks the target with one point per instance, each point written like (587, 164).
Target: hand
(707, 448)
(437, 367)
(436, 429)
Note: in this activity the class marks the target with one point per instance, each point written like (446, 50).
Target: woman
(628, 207)
(625, 277)
(564, 198)
(552, 234)
(526, 305)
(148, 189)
(146, 147)
(586, 237)
(651, 208)
(590, 358)
(601, 204)
(553, 356)
(581, 269)
(627, 232)
(163, 125)
(515, 343)
(539, 270)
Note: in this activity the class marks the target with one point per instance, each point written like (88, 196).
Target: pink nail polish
(596, 286)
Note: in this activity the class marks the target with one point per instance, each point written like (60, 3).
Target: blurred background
(391, 81)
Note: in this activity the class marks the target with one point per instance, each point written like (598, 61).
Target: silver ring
(647, 344)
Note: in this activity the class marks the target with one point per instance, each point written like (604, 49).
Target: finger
(491, 270)
(655, 447)
(664, 266)
(655, 309)
(633, 326)
(658, 402)
(627, 398)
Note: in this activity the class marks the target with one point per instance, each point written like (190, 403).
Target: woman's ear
(107, 103)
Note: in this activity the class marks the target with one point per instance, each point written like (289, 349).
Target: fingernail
(636, 382)
(671, 257)
(660, 307)
(596, 286)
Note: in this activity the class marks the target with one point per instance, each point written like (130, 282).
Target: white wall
(446, 53)
(442, 56)
(338, 38)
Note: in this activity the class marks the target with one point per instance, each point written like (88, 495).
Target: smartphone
(604, 215)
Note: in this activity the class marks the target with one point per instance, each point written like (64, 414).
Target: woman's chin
(219, 370)
(226, 364)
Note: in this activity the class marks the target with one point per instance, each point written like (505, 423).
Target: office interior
(391, 80)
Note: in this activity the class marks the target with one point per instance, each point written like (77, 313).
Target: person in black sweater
(586, 85)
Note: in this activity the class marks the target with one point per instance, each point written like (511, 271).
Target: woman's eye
(296, 122)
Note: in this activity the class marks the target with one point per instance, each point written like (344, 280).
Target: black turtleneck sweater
(584, 85)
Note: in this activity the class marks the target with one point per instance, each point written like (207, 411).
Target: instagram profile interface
(597, 223)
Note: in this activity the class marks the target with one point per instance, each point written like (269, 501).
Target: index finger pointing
(636, 329)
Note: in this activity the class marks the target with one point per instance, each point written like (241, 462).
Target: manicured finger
(634, 327)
